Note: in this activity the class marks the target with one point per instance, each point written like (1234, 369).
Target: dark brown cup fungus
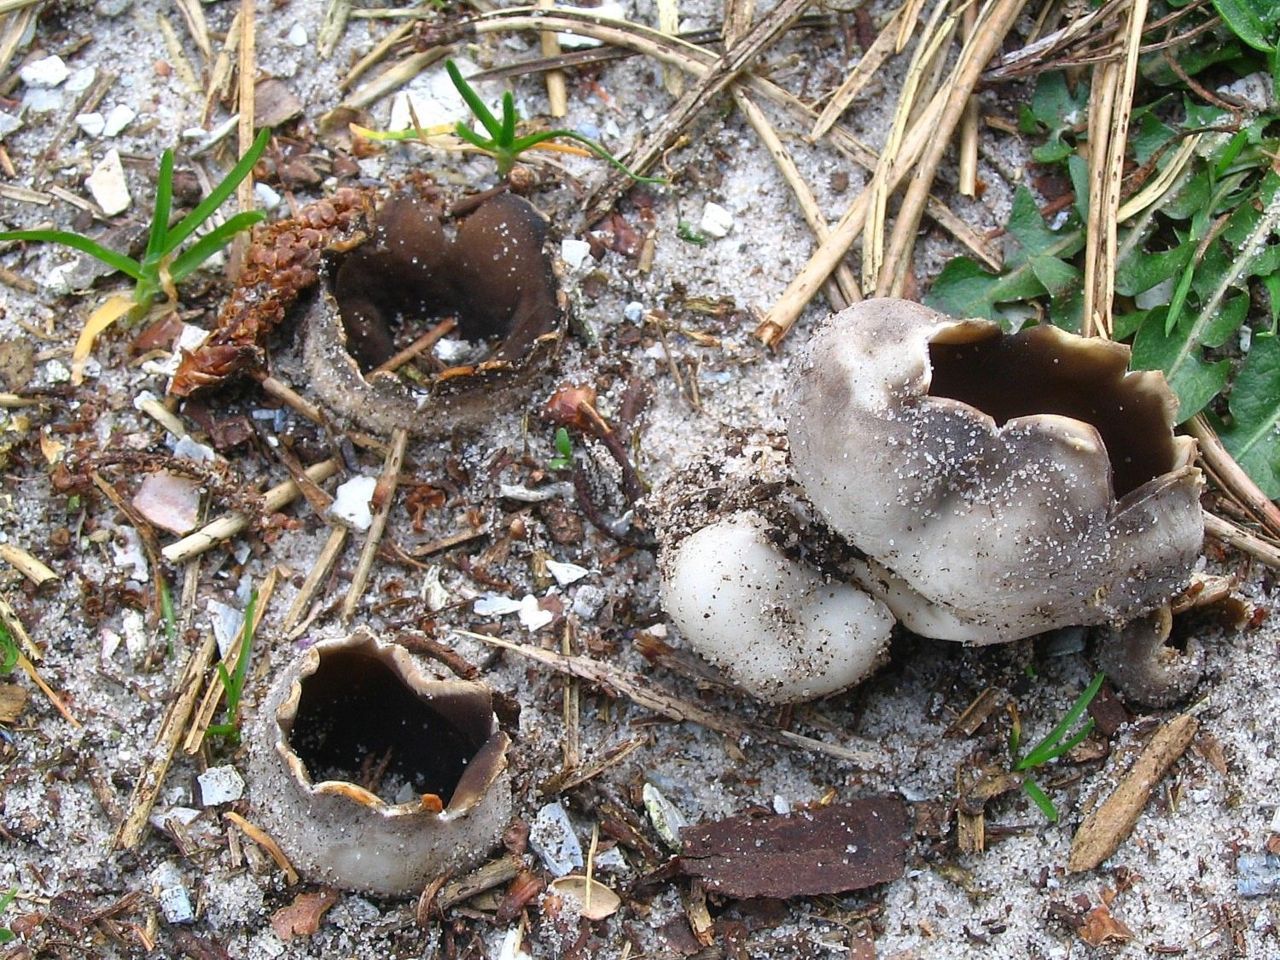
(1001, 485)
(491, 271)
(373, 773)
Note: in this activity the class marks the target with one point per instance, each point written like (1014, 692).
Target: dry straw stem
(1241, 539)
(14, 625)
(193, 14)
(232, 524)
(968, 181)
(175, 720)
(393, 77)
(1109, 824)
(374, 56)
(652, 697)
(1234, 481)
(571, 745)
(173, 47)
(221, 74)
(1110, 105)
(880, 50)
(248, 68)
(557, 95)
(29, 566)
(59, 704)
(933, 37)
(214, 690)
(1035, 55)
(738, 15)
(332, 27)
(16, 25)
(669, 23)
(693, 59)
(383, 496)
(763, 34)
(266, 842)
(162, 415)
(993, 24)
(320, 567)
(842, 288)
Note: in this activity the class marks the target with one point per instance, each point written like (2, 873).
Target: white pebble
(716, 221)
(574, 252)
(91, 123)
(118, 118)
(297, 35)
(552, 838)
(220, 785)
(42, 100)
(48, 72)
(351, 502)
(495, 605)
(265, 196)
(171, 894)
(81, 79)
(566, 573)
(532, 616)
(108, 186)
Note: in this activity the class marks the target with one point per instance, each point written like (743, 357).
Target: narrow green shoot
(167, 614)
(233, 680)
(502, 143)
(163, 265)
(6, 934)
(8, 651)
(564, 451)
(1055, 744)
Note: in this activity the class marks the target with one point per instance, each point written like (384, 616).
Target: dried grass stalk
(852, 85)
(383, 496)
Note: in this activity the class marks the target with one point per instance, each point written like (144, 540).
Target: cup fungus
(374, 774)
(491, 271)
(754, 586)
(1000, 485)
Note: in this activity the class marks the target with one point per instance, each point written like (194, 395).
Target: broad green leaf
(1142, 270)
(1230, 316)
(1192, 380)
(1254, 435)
(1253, 21)
(1078, 170)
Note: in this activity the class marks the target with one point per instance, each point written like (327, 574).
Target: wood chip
(27, 565)
(13, 699)
(1107, 826)
(302, 917)
(844, 846)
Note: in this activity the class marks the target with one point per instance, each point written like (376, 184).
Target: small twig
(383, 497)
(557, 94)
(248, 68)
(374, 56)
(448, 543)
(266, 842)
(968, 180)
(162, 415)
(30, 670)
(392, 78)
(1235, 482)
(232, 524)
(654, 698)
(13, 623)
(1108, 825)
(876, 54)
(150, 781)
(1235, 536)
(332, 27)
(421, 345)
(29, 566)
(320, 568)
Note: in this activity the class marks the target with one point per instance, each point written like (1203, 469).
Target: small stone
(42, 100)
(181, 815)
(169, 501)
(633, 312)
(716, 221)
(81, 80)
(265, 196)
(135, 633)
(171, 894)
(108, 186)
(219, 785)
(126, 550)
(351, 502)
(9, 122)
(118, 118)
(552, 838)
(47, 72)
(190, 449)
(226, 621)
(297, 35)
(574, 252)
(495, 605)
(566, 573)
(532, 616)
(91, 123)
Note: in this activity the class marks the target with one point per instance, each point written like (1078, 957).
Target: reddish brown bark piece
(844, 846)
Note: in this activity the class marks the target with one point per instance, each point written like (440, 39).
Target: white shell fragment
(107, 185)
(775, 626)
(351, 502)
(171, 894)
(552, 838)
(46, 72)
(665, 816)
(1002, 486)
(220, 785)
(716, 221)
(169, 501)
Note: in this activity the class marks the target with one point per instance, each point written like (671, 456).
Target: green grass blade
(8, 651)
(163, 207)
(533, 139)
(116, 261)
(473, 101)
(508, 135)
(1040, 799)
(218, 195)
(466, 133)
(1051, 745)
(211, 243)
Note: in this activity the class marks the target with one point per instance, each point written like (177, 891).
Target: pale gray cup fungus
(1000, 485)
(347, 708)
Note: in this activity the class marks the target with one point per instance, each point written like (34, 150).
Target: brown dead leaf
(13, 699)
(1099, 927)
(844, 846)
(274, 103)
(302, 917)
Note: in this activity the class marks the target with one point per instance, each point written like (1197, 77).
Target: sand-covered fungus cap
(375, 774)
(490, 269)
(1001, 485)
(753, 581)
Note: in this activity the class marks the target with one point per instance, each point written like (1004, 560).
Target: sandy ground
(1173, 884)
